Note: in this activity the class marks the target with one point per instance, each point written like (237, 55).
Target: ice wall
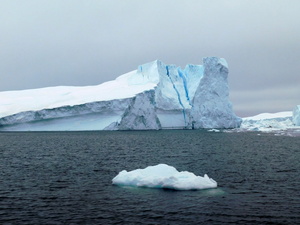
(140, 114)
(211, 105)
(296, 115)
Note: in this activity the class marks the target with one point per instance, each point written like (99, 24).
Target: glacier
(155, 96)
(163, 176)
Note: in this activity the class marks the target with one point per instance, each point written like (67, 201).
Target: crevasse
(178, 95)
(181, 74)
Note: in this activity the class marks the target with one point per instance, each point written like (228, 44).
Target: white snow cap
(163, 176)
(263, 116)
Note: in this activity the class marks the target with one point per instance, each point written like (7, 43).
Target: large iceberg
(163, 176)
(155, 96)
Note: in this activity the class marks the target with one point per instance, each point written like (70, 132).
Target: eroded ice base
(96, 121)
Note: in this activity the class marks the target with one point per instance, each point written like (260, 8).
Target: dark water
(65, 178)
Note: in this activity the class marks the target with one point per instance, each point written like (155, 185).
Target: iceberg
(281, 123)
(268, 121)
(163, 176)
(296, 115)
(155, 96)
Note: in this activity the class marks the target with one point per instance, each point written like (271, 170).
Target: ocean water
(65, 178)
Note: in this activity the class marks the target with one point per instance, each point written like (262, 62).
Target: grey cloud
(271, 100)
(50, 43)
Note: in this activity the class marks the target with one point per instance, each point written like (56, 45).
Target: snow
(146, 73)
(12, 102)
(223, 62)
(263, 116)
(163, 176)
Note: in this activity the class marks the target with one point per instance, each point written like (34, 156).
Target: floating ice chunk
(214, 130)
(163, 176)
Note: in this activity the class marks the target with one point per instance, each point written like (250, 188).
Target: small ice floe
(163, 176)
(214, 130)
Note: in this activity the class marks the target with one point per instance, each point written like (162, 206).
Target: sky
(77, 43)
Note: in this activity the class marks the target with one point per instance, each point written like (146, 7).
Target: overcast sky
(87, 42)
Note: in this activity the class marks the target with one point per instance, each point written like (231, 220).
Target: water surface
(65, 178)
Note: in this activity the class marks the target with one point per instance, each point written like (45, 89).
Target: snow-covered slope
(12, 102)
(155, 96)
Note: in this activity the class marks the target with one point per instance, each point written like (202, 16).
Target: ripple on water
(65, 178)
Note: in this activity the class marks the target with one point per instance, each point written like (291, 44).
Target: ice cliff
(296, 115)
(155, 96)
